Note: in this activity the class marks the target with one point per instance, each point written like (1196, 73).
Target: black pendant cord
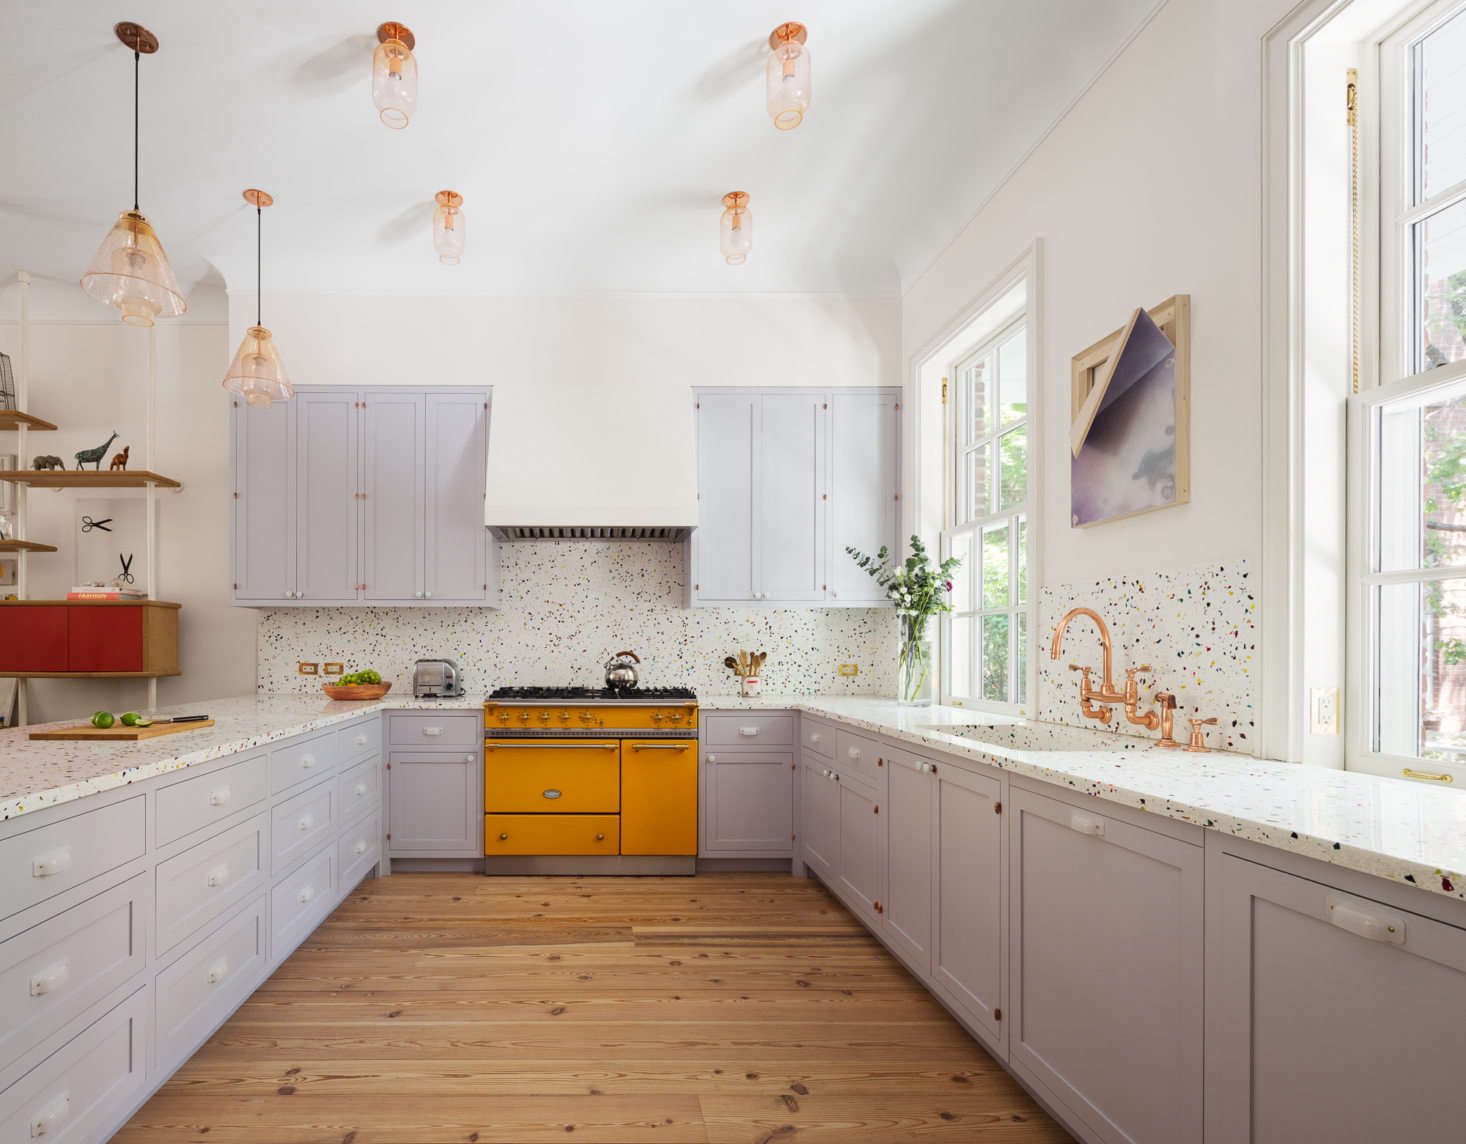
(136, 78)
(259, 263)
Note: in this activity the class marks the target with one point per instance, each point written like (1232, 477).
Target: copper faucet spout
(1108, 684)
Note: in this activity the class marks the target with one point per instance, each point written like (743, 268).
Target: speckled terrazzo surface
(37, 775)
(567, 607)
(1406, 832)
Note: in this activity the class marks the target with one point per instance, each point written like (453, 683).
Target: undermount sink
(1045, 737)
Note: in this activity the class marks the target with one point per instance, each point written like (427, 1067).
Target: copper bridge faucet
(1106, 692)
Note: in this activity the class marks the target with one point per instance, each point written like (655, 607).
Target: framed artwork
(1130, 417)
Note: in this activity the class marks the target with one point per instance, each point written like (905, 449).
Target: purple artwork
(1126, 462)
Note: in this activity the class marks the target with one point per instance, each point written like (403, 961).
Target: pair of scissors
(126, 576)
(87, 524)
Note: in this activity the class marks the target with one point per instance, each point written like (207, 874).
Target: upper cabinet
(362, 496)
(787, 479)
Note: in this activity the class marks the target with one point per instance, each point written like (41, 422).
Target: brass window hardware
(1412, 773)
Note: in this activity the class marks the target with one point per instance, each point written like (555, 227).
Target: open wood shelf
(15, 419)
(138, 603)
(25, 546)
(87, 479)
(87, 674)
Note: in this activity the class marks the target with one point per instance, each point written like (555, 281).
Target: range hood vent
(671, 534)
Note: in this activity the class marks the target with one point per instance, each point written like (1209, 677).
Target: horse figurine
(94, 456)
(119, 460)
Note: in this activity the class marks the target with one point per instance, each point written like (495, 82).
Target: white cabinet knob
(815, 737)
(217, 876)
(712, 758)
(748, 732)
(219, 797)
(307, 762)
(1361, 920)
(57, 862)
(417, 595)
(50, 979)
(427, 595)
(306, 894)
(360, 847)
(360, 740)
(359, 790)
(1087, 824)
(853, 752)
(432, 732)
(306, 822)
(48, 1118)
(218, 971)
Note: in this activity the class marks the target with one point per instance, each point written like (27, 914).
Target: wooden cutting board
(117, 732)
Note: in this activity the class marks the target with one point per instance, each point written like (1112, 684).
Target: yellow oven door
(552, 776)
(659, 796)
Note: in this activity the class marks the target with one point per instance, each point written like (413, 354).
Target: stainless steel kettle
(621, 670)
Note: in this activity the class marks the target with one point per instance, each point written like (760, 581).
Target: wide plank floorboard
(725, 1009)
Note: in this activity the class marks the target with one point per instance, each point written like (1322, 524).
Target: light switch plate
(850, 669)
(334, 669)
(1323, 710)
(309, 669)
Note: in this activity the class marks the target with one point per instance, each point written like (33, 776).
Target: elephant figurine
(44, 461)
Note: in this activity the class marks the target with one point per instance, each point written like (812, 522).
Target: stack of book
(106, 592)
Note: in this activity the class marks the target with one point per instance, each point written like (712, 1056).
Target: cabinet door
(861, 876)
(1106, 964)
(910, 818)
(435, 805)
(1329, 1016)
(104, 639)
(724, 541)
(819, 819)
(264, 501)
(791, 482)
(392, 468)
(457, 455)
(865, 467)
(33, 637)
(327, 507)
(969, 946)
(658, 796)
(748, 803)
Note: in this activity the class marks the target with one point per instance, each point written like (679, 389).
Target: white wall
(1149, 187)
(87, 376)
(592, 418)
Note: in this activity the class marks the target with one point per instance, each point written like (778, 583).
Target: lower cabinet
(203, 986)
(1106, 975)
(435, 796)
(910, 817)
(819, 818)
(860, 876)
(1330, 1015)
(747, 804)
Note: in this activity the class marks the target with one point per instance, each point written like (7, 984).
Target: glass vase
(914, 668)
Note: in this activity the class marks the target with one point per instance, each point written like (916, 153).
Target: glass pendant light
(394, 74)
(448, 227)
(257, 374)
(130, 270)
(735, 230)
(786, 75)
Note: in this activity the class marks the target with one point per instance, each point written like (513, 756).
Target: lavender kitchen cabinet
(860, 877)
(393, 475)
(969, 954)
(457, 547)
(723, 546)
(819, 818)
(435, 806)
(865, 486)
(1105, 962)
(263, 532)
(910, 809)
(1333, 1012)
(327, 508)
(747, 804)
(791, 482)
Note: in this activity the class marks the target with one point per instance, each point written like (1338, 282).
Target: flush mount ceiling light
(394, 74)
(448, 227)
(257, 374)
(130, 270)
(786, 75)
(735, 229)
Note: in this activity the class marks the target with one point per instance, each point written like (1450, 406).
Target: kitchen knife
(181, 719)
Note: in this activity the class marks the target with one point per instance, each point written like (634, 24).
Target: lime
(103, 720)
(131, 719)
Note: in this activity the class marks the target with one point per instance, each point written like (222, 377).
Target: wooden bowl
(356, 690)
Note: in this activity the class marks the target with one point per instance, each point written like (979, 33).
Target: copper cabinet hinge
(944, 391)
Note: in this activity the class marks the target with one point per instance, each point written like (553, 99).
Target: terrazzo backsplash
(1197, 629)
(567, 607)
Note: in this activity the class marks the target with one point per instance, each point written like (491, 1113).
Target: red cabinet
(53, 637)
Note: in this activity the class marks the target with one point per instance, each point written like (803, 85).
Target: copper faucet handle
(1130, 671)
(1165, 699)
(1198, 736)
(1079, 667)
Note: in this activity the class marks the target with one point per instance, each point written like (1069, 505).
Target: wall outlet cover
(334, 669)
(850, 669)
(310, 669)
(1323, 710)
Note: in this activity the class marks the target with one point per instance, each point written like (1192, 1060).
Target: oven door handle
(687, 746)
(495, 746)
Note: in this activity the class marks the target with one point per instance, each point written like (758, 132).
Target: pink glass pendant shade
(787, 76)
(257, 374)
(735, 228)
(449, 227)
(394, 75)
(131, 272)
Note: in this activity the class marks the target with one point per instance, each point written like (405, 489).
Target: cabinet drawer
(358, 849)
(41, 863)
(458, 729)
(299, 824)
(552, 834)
(299, 902)
(817, 737)
(77, 1094)
(359, 789)
(857, 755)
(205, 985)
(206, 880)
(565, 776)
(360, 740)
(52, 972)
(302, 759)
(749, 729)
(195, 803)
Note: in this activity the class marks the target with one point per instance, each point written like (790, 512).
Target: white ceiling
(592, 139)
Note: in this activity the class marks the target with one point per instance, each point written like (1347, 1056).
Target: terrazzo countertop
(1406, 832)
(36, 775)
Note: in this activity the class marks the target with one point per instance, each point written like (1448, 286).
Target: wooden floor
(722, 1009)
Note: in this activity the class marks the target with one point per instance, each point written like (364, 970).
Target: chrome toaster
(436, 679)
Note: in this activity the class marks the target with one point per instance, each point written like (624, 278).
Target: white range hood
(592, 465)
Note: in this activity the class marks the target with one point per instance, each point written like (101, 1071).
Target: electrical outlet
(309, 669)
(1323, 710)
(334, 669)
(850, 669)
